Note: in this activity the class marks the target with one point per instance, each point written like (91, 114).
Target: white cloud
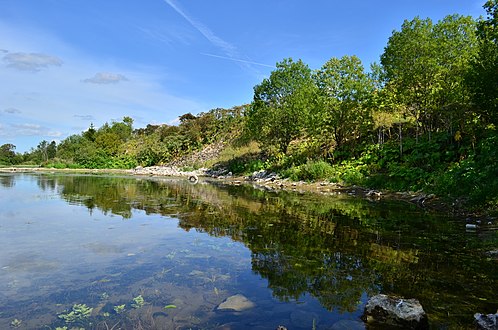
(32, 130)
(12, 111)
(106, 78)
(85, 117)
(31, 61)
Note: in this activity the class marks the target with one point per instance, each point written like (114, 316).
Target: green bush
(311, 171)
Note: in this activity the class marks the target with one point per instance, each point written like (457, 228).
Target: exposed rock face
(383, 310)
(486, 322)
(237, 303)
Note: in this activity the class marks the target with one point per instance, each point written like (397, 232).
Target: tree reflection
(7, 181)
(335, 248)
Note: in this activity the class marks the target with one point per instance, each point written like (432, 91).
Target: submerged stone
(348, 325)
(237, 303)
(384, 310)
(486, 322)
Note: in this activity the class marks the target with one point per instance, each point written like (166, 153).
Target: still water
(147, 253)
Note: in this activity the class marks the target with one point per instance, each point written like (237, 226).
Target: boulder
(486, 322)
(237, 303)
(387, 311)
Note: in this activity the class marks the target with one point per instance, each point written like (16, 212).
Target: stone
(348, 325)
(302, 319)
(486, 322)
(236, 303)
(383, 310)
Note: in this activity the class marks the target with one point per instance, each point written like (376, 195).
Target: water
(304, 260)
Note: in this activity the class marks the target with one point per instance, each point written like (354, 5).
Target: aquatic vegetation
(16, 323)
(79, 313)
(169, 306)
(119, 308)
(104, 296)
(138, 302)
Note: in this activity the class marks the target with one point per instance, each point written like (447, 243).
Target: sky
(67, 64)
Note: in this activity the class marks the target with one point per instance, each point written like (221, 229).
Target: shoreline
(272, 182)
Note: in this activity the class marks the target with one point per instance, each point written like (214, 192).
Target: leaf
(169, 306)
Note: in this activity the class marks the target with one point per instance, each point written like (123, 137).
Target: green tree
(51, 150)
(7, 154)
(282, 104)
(344, 90)
(483, 78)
(424, 65)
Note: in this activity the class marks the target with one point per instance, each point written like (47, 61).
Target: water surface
(304, 260)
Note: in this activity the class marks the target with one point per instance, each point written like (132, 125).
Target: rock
(493, 254)
(348, 325)
(237, 303)
(388, 311)
(302, 319)
(486, 322)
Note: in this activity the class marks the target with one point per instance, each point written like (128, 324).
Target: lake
(96, 252)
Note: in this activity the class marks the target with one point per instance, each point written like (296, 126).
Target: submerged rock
(486, 322)
(237, 303)
(348, 325)
(304, 319)
(395, 312)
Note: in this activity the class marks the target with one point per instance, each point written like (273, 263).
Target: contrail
(238, 60)
(229, 49)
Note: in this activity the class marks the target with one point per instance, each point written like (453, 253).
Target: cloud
(106, 78)
(33, 130)
(31, 61)
(12, 110)
(84, 117)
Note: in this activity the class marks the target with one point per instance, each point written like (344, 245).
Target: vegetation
(424, 118)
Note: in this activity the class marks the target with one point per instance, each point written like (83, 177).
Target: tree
(483, 77)
(281, 105)
(424, 65)
(7, 154)
(344, 90)
(52, 150)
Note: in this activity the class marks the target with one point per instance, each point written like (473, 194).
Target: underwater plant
(138, 302)
(119, 308)
(79, 313)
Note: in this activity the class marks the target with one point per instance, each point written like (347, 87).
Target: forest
(424, 118)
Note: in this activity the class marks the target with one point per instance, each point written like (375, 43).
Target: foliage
(482, 79)
(282, 105)
(344, 90)
(138, 302)
(424, 118)
(119, 308)
(311, 171)
(79, 313)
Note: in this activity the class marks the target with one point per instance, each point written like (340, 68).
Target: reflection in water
(7, 180)
(338, 250)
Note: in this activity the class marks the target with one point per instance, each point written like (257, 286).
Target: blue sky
(65, 64)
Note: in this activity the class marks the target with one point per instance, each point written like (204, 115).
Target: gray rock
(302, 319)
(396, 312)
(486, 322)
(237, 303)
(348, 325)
